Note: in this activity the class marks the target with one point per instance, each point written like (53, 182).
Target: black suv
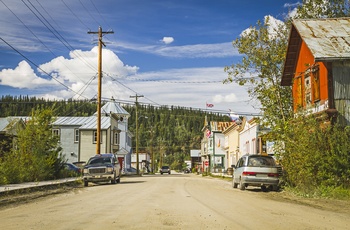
(164, 169)
(102, 168)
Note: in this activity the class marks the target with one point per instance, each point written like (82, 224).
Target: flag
(210, 105)
(208, 133)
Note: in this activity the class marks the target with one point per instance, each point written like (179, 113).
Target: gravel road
(176, 201)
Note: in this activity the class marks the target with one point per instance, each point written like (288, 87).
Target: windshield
(102, 160)
(165, 167)
(261, 161)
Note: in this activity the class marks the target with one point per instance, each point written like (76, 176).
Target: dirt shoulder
(341, 206)
(10, 198)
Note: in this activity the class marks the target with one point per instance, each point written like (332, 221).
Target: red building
(317, 66)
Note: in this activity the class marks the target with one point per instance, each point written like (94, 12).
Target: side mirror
(233, 166)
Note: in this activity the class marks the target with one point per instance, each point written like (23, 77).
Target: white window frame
(94, 137)
(57, 133)
(76, 135)
(116, 139)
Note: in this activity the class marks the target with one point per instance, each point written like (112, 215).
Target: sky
(171, 52)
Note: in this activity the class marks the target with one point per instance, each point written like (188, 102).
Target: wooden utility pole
(137, 133)
(100, 43)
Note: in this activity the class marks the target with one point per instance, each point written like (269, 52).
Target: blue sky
(171, 52)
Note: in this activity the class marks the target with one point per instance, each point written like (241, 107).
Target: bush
(316, 156)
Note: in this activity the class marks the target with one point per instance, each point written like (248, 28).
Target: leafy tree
(312, 155)
(264, 47)
(37, 156)
(316, 155)
(323, 9)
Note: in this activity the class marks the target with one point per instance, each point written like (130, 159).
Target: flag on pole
(210, 105)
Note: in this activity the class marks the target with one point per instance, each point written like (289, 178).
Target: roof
(71, 121)
(115, 108)
(91, 123)
(219, 126)
(328, 39)
(7, 122)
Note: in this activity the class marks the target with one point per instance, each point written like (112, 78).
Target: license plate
(260, 175)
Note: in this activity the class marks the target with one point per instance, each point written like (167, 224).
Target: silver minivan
(256, 170)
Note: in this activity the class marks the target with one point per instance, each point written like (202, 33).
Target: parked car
(71, 169)
(164, 169)
(130, 171)
(256, 170)
(102, 168)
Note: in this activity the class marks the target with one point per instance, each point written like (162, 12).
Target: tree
(264, 47)
(37, 156)
(323, 9)
(312, 155)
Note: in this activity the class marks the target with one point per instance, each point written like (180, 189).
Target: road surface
(176, 201)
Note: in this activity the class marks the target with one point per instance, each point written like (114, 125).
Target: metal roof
(115, 108)
(91, 123)
(83, 122)
(70, 121)
(3, 123)
(327, 38)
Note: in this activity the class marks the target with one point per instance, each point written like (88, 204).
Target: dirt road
(176, 201)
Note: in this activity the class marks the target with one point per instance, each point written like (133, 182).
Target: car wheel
(114, 180)
(241, 185)
(86, 183)
(234, 185)
(264, 188)
(169, 173)
(161, 173)
(118, 180)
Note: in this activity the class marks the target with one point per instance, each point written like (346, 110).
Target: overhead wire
(17, 51)
(98, 24)
(58, 35)
(114, 79)
(88, 28)
(39, 38)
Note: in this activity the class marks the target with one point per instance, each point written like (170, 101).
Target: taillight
(249, 173)
(272, 175)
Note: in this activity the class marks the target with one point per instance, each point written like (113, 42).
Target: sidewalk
(28, 185)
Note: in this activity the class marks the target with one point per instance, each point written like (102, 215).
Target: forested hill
(173, 131)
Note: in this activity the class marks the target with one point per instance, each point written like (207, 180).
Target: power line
(17, 51)
(176, 82)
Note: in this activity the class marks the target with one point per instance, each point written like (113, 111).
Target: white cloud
(273, 26)
(167, 40)
(23, 76)
(227, 98)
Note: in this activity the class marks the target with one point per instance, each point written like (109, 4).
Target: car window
(104, 160)
(260, 161)
(241, 162)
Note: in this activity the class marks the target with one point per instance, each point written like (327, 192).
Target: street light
(137, 143)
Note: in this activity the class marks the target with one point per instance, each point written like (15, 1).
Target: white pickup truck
(102, 168)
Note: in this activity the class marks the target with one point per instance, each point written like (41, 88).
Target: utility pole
(137, 133)
(100, 43)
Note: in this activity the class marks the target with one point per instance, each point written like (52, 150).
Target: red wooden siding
(310, 80)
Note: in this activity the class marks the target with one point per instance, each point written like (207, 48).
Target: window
(95, 137)
(307, 85)
(116, 138)
(76, 135)
(56, 132)
(316, 84)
